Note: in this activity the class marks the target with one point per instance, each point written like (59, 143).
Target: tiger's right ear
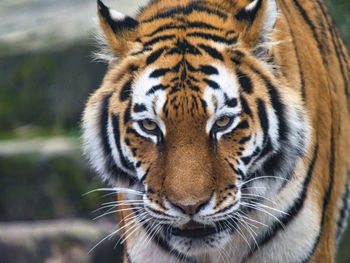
(118, 29)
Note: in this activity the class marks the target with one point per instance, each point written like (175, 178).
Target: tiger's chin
(194, 238)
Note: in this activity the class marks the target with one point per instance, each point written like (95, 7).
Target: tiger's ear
(257, 19)
(119, 29)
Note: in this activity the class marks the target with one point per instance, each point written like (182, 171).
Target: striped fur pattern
(224, 130)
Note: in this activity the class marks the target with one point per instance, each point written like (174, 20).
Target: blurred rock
(46, 92)
(46, 179)
(45, 147)
(58, 241)
(47, 24)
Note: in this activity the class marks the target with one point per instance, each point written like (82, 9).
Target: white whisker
(115, 211)
(116, 190)
(262, 177)
(263, 210)
(253, 220)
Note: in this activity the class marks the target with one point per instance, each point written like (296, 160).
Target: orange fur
(308, 65)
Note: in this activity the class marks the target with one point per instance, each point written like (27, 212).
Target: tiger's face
(191, 123)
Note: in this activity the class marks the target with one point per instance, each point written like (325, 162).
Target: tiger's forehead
(185, 89)
(185, 74)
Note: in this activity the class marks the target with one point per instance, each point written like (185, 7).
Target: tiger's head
(192, 114)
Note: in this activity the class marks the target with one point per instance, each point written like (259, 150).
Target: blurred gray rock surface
(57, 241)
(46, 179)
(45, 24)
(47, 147)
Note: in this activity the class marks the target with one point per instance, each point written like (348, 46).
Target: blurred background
(46, 75)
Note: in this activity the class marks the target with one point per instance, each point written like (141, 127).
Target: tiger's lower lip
(194, 232)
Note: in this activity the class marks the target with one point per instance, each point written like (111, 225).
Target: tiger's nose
(192, 209)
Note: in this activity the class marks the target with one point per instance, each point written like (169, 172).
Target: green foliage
(47, 90)
(340, 10)
(343, 250)
(33, 186)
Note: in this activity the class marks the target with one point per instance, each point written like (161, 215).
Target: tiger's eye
(223, 122)
(149, 125)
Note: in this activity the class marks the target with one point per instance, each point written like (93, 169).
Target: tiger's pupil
(223, 122)
(149, 125)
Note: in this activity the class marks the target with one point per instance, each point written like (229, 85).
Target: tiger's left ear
(257, 19)
(118, 28)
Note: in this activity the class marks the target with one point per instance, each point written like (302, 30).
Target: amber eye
(149, 125)
(223, 122)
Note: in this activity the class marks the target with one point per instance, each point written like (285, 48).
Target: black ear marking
(116, 24)
(248, 15)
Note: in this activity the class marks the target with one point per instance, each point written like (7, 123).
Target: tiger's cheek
(143, 152)
(239, 148)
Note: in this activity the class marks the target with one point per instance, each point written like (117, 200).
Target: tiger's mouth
(193, 229)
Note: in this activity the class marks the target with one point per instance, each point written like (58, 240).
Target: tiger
(222, 127)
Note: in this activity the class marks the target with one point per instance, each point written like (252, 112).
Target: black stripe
(246, 160)
(155, 88)
(182, 27)
(139, 107)
(154, 56)
(135, 133)
(204, 105)
(166, 27)
(277, 106)
(213, 37)
(202, 25)
(194, 6)
(231, 165)
(264, 122)
(291, 213)
(338, 50)
(301, 72)
(183, 47)
(158, 39)
(208, 70)
(127, 23)
(212, 84)
(279, 111)
(212, 52)
(193, 79)
(127, 115)
(238, 55)
(313, 29)
(109, 162)
(125, 93)
(103, 132)
(245, 106)
(143, 178)
(231, 102)
(248, 15)
(245, 82)
(327, 195)
(244, 139)
(243, 125)
(193, 87)
(159, 72)
(116, 132)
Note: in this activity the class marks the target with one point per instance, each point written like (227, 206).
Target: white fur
(115, 152)
(115, 15)
(251, 5)
(92, 142)
(228, 85)
(142, 85)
